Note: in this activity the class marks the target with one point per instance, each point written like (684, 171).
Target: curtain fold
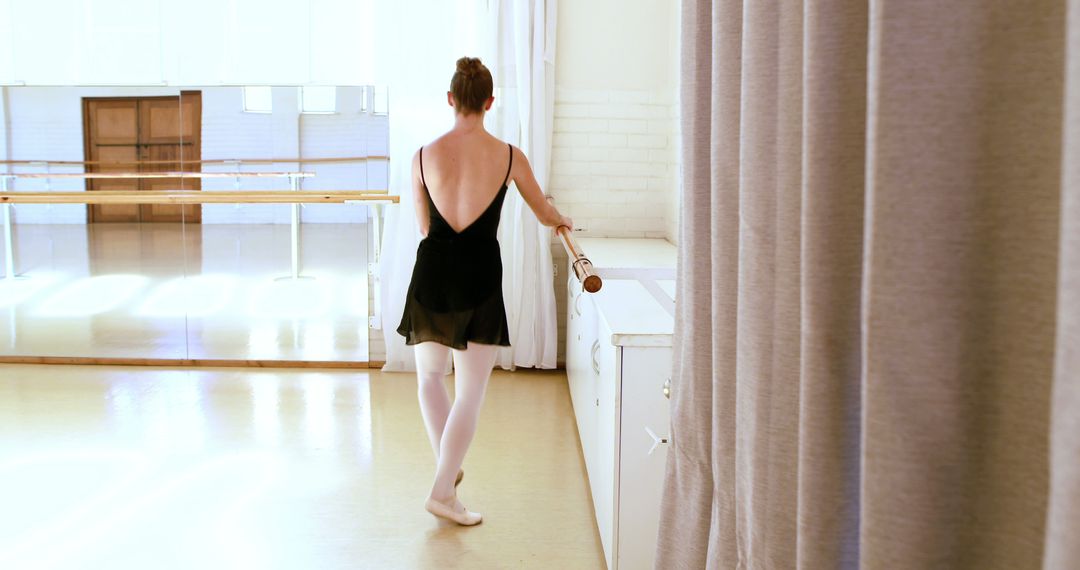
(964, 190)
(1063, 522)
(698, 494)
(767, 349)
(870, 306)
(834, 157)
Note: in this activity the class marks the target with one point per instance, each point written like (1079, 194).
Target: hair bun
(471, 86)
(469, 66)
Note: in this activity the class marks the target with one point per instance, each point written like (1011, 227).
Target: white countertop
(638, 274)
(630, 258)
(633, 314)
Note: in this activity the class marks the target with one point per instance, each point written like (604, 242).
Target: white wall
(615, 162)
(193, 42)
(228, 132)
(621, 45)
(351, 131)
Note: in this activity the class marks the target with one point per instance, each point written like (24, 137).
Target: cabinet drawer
(644, 413)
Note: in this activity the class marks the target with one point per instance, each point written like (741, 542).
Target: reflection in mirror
(211, 275)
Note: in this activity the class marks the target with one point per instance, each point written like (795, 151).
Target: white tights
(451, 428)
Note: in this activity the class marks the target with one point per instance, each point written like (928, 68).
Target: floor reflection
(196, 296)
(195, 292)
(87, 296)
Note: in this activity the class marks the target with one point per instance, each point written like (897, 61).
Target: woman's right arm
(522, 175)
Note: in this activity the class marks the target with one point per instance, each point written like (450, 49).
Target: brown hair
(471, 85)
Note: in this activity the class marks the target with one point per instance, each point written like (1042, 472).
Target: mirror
(216, 281)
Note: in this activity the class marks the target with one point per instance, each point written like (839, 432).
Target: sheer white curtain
(523, 63)
(419, 45)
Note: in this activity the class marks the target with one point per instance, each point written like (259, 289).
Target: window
(381, 103)
(258, 100)
(318, 99)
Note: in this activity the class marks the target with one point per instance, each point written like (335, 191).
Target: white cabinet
(618, 360)
(583, 369)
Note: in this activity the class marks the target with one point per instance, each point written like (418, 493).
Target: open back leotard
(455, 295)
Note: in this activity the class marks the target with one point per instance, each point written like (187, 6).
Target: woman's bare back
(464, 172)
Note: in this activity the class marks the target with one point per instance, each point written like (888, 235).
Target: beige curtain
(1063, 524)
(878, 329)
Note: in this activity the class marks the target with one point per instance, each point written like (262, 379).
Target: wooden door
(143, 134)
(111, 134)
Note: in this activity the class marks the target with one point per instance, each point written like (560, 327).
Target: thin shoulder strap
(508, 168)
(422, 168)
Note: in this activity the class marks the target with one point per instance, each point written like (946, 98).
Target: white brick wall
(228, 132)
(613, 161)
(614, 170)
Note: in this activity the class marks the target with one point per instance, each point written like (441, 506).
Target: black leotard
(455, 295)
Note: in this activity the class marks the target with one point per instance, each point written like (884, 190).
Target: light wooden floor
(152, 468)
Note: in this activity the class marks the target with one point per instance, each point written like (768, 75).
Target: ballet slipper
(455, 512)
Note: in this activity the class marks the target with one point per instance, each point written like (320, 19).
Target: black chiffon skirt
(455, 294)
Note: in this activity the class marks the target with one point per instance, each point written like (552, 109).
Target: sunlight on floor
(139, 468)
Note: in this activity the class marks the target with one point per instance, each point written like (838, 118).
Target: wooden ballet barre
(583, 268)
(198, 197)
(145, 175)
(329, 160)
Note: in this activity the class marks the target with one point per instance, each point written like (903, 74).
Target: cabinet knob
(667, 388)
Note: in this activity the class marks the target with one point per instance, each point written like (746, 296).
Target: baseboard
(86, 360)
